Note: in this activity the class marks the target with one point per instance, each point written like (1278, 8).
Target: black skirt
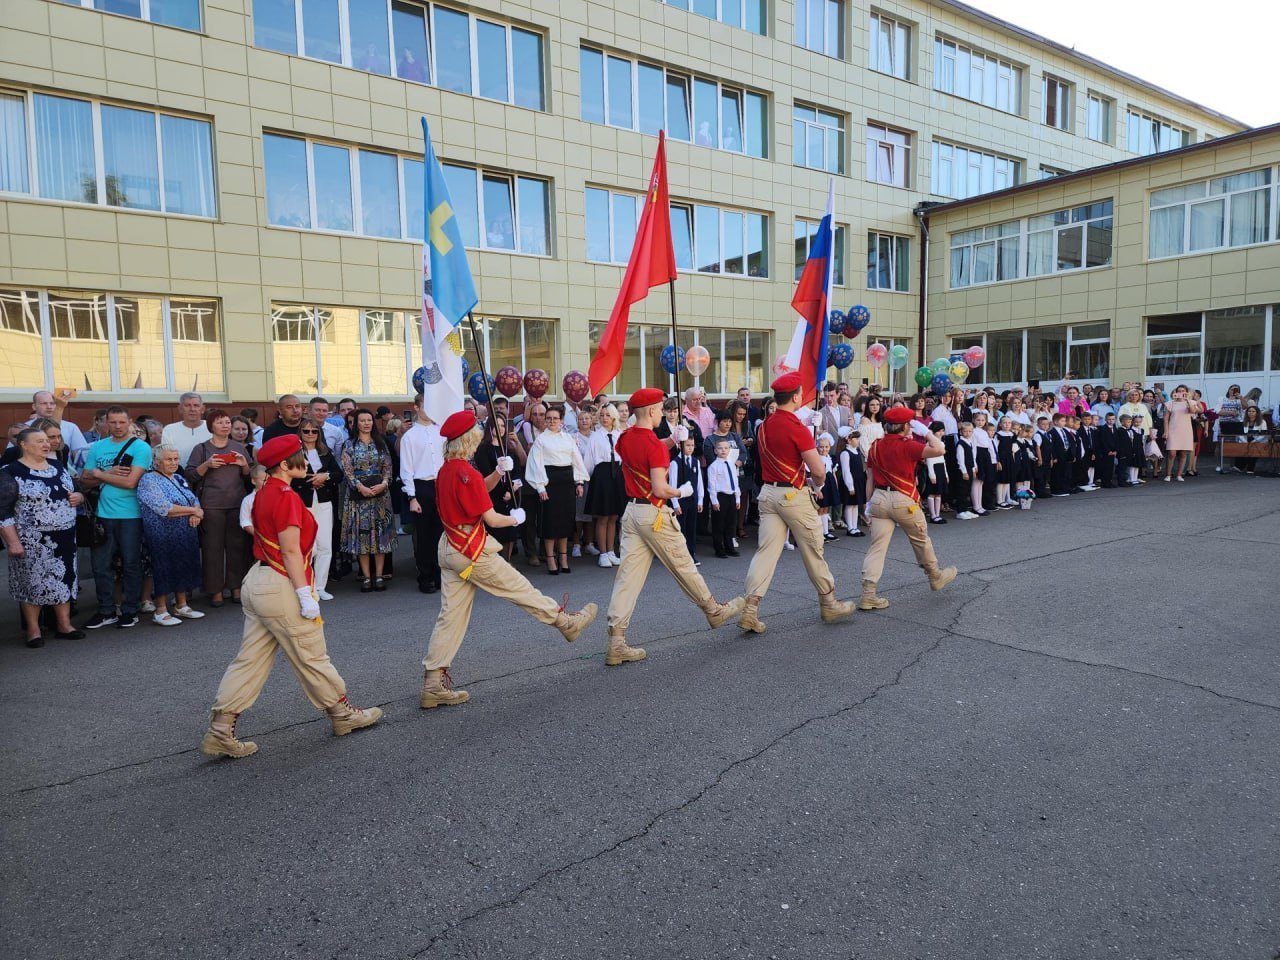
(605, 493)
(985, 467)
(559, 512)
(935, 484)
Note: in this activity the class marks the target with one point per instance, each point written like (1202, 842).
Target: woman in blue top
(171, 513)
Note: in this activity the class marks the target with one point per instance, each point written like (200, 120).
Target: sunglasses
(310, 433)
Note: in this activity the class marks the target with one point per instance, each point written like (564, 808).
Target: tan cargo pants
(800, 516)
(640, 544)
(889, 509)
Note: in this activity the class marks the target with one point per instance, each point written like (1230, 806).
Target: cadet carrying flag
(812, 300)
(448, 292)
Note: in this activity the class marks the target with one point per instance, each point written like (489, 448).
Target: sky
(1224, 60)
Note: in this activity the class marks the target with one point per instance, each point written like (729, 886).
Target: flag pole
(488, 393)
(675, 342)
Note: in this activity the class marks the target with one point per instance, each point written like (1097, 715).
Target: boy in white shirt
(722, 484)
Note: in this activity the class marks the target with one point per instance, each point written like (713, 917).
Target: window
(888, 155)
(409, 39)
(1005, 350)
(805, 231)
(977, 76)
(1069, 239)
(888, 262)
(748, 14)
(985, 254)
(1082, 351)
(521, 342)
(739, 358)
(961, 172)
(640, 96)
(890, 46)
(611, 225)
(1048, 173)
(109, 342)
(1100, 124)
(1235, 340)
(1046, 352)
(100, 153)
(1173, 345)
(818, 139)
(310, 185)
(184, 14)
(897, 379)
(1147, 134)
(713, 240)
(820, 26)
(1056, 96)
(1231, 211)
(1089, 351)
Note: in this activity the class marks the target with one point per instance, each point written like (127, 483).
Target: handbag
(90, 529)
(369, 480)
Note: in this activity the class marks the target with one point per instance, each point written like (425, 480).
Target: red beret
(787, 383)
(457, 424)
(646, 398)
(899, 415)
(279, 449)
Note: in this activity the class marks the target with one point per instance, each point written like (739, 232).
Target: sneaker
(604, 561)
(124, 623)
(697, 562)
(1181, 480)
(577, 551)
(615, 559)
(1168, 479)
(735, 543)
(165, 619)
(146, 606)
(788, 545)
(966, 515)
(324, 594)
(1059, 494)
(186, 613)
(1005, 506)
(593, 550)
(101, 620)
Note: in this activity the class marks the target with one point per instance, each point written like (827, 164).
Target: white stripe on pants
(323, 512)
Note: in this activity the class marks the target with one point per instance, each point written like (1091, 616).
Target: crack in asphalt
(680, 807)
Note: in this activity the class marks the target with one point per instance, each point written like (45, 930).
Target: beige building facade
(1157, 269)
(225, 195)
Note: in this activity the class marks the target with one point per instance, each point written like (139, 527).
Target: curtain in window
(64, 149)
(1207, 222)
(13, 145)
(960, 273)
(1167, 225)
(188, 166)
(1250, 214)
(1040, 253)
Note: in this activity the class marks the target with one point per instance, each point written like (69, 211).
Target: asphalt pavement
(1071, 752)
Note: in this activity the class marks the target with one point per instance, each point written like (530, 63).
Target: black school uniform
(1006, 457)
(689, 470)
(1040, 474)
(1024, 460)
(1085, 455)
(1063, 451)
(963, 460)
(852, 458)
(1104, 452)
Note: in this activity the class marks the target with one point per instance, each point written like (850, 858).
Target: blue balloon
(672, 358)
(941, 383)
(836, 321)
(860, 314)
(476, 385)
(841, 355)
(466, 370)
(420, 380)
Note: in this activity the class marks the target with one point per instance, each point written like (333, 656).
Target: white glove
(516, 485)
(919, 429)
(681, 433)
(844, 432)
(518, 515)
(307, 600)
(685, 490)
(805, 415)
(505, 464)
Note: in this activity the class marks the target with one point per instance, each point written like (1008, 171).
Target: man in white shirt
(187, 433)
(44, 405)
(421, 457)
(334, 436)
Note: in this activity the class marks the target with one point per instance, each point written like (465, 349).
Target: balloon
(859, 316)
(898, 356)
(421, 378)
(672, 358)
(959, 371)
(850, 330)
(697, 360)
(508, 381)
(941, 383)
(466, 370)
(476, 385)
(841, 355)
(877, 353)
(924, 377)
(576, 386)
(974, 357)
(941, 365)
(536, 383)
(836, 321)
(780, 366)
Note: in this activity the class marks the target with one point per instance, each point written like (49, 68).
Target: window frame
(712, 338)
(802, 21)
(895, 241)
(762, 6)
(840, 131)
(1209, 197)
(1063, 101)
(1058, 229)
(897, 153)
(145, 14)
(1159, 124)
(692, 206)
(1106, 117)
(964, 54)
(611, 239)
(896, 27)
(840, 239)
(1017, 171)
(980, 339)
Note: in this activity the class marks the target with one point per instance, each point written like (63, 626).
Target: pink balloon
(877, 353)
(697, 360)
(974, 357)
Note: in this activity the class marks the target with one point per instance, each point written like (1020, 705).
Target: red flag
(653, 262)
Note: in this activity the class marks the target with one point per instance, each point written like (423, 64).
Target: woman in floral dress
(368, 525)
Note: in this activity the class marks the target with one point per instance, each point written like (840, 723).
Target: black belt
(785, 486)
(642, 500)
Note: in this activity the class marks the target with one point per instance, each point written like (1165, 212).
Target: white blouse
(868, 433)
(944, 416)
(601, 448)
(982, 441)
(553, 450)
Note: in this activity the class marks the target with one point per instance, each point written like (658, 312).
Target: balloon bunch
(856, 320)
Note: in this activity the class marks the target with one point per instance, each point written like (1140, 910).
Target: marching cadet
(470, 558)
(895, 502)
(650, 529)
(281, 611)
(785, 448)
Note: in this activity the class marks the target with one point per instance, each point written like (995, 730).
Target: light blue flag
(448, 292)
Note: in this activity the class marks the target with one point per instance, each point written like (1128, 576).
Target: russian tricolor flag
(812, 300)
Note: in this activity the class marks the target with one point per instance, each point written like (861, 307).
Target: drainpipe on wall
(922, 216)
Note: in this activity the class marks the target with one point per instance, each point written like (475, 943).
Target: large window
(820, 26)
(1231, 211)
(642, 96)
(611, 224)
(1042, 354)
(415, 41)
(890, 46)
(805, 231)
(522, 342)
(109, 342)
(888, 155)
(748, 14)
(895, 381)
(986, 254)
(1056, 96)
(818, 139)
(1173, 344)
(1235, 340)
(961, 172)
(977, 76)
(331, 187)
(716, 240)
(105, 154)
(888, 262)
(1069, 239)
(739, 358)
(1101, 125)
(1147, 134)
(1227, 342)
(170, 13)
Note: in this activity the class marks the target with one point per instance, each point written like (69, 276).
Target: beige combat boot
(940, 578)
(571, 625)
(869, 599)
(346, 717)
(220, 739)
(833, 610)
(437, 690)
(618, 651)
(750, 619)
(718, 614)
